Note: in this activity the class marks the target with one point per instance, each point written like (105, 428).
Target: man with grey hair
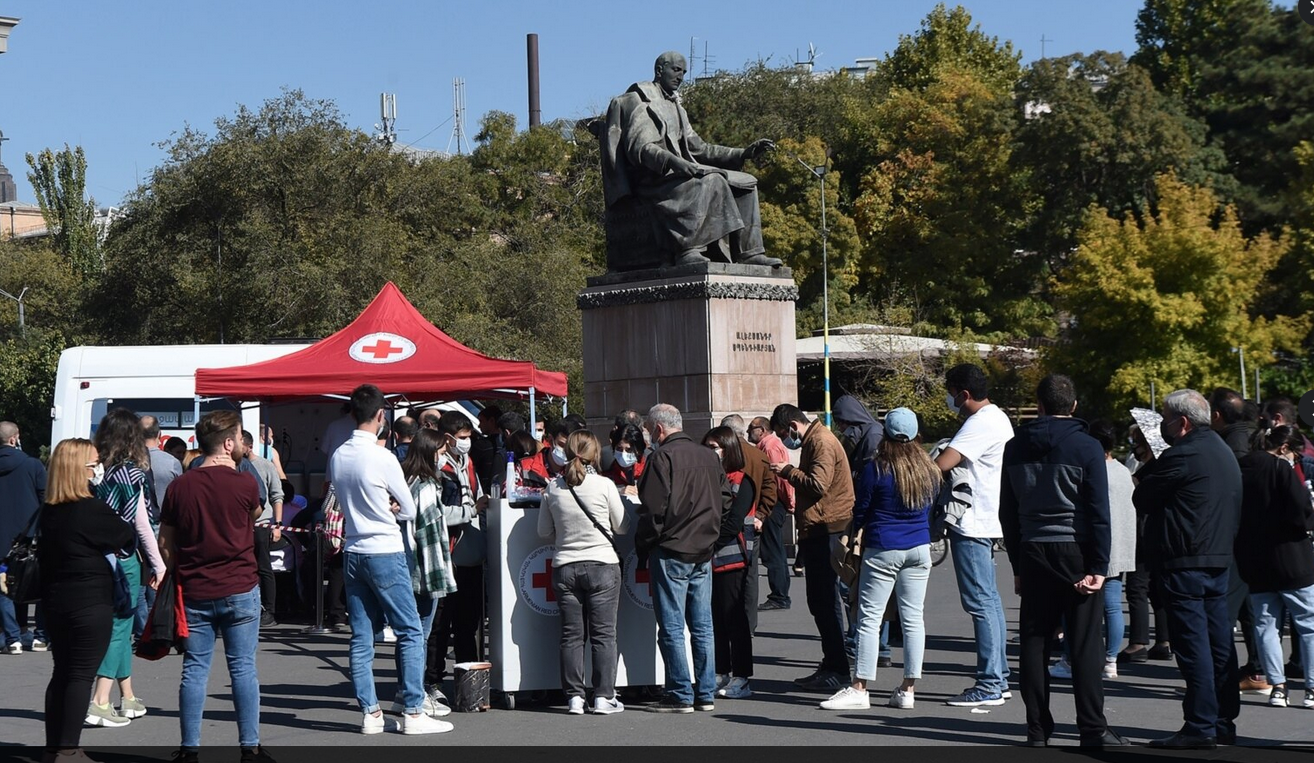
(696, 189)
(684, 493)
(1190, 498)
(736, 422)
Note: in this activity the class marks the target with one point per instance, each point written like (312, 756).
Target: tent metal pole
(565, 407)
(533, 409)
(196, 412)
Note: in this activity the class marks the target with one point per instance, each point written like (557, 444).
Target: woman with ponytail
(582, 513)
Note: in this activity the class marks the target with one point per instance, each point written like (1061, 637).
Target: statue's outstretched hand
(758, 148)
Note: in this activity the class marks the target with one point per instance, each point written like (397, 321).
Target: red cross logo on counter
(381, 349)
(544, 580)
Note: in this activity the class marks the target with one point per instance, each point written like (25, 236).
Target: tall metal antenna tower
(458, 117)
(693, 58)
(707, 60)
(387, 128)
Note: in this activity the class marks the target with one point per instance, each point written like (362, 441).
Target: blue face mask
(793, 441)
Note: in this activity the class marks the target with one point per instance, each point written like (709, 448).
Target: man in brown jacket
(823, 499)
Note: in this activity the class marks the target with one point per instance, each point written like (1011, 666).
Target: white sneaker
(602, 706)
(1060, 669)
(14, 648)
(575, 706)
(735, 688)
(389, 637)
(40, 646)
(435, 703)
(1111, 669)
(372, 724)
(1308, 702)
(431, 707)
(847, 698)
(901, 699)
(1006, 694)
(423, 724)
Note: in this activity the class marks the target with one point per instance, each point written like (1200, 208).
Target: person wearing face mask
(979, 445)
(1190, 497)
(732, 630)
(22, 490)
(628, 460)
(1274, 555)
(463, 511)
(433, 576)
(823, 489)
(555, 459)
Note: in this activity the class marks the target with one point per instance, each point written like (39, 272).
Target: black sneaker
(186, 756)
(1139, 655)
(826, 680)
(256, 755)
(704, 705)
(1160, 652)
(771, 605)
(884, 662)
(809, 678)
(1110, 738)
(267, 620)
(669, 704)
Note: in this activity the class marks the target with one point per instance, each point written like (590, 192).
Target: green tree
(1165, 300)
(60, 182)
(1178, 38)
(27, 383)
(941, 211)
(1093, 130)
(948, 40)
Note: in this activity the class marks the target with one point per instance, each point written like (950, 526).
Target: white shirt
(364, 476)
(981, 442)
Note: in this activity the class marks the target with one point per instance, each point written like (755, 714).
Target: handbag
(596, 524)
(124, 604)
(470, 547)
(22, 570)
(848, 559)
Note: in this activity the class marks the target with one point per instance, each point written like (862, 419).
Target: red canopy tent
(393, 346)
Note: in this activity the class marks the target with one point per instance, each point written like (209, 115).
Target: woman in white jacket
(582, 512)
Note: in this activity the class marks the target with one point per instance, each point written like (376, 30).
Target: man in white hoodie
(374, 495)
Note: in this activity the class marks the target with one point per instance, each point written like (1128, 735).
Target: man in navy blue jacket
(1191, 500)
(22, 491)
(1054, 508)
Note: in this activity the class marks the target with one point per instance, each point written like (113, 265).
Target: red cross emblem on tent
(381, 347)
(535, 581)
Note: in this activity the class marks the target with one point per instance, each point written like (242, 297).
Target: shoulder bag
(596, 524)
(23, 571)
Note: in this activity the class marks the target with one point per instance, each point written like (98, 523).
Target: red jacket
(618, 475)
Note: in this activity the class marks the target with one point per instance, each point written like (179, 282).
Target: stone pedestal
(710, 339)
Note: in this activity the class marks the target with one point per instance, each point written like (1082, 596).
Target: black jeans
(1202, 640)
(78, 640)
(264, 538)
(1141, 595)
(824, 601)
(751, 584)
(731, 633)
(1048, 572)
(588, 594)
(458, 622)
(1238, 607)
(335, 599)
(774, 556)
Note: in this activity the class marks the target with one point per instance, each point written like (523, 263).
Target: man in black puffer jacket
(1191, 499)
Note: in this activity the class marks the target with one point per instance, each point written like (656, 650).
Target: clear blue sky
(118, 78)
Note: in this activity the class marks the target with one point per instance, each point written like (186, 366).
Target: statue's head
(669, 70)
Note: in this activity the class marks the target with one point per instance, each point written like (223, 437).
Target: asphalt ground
(307, 699)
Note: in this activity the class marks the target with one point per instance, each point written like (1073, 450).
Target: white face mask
(953, 406)
(97, 474)
(627, 458)
(462, 446)
(559, 455)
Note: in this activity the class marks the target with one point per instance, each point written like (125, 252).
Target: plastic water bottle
(511, 482)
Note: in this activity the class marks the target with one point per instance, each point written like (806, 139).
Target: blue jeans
(237, 619)
(1113, 621)
(682, 594)
(9, 621)
(378, 587)
(905, 572)
(1201, 625)
(1269, 609)
(974, 566)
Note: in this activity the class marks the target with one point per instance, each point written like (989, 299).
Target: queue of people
(1222, 506)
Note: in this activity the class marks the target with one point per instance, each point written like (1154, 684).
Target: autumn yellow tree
(1165, 299)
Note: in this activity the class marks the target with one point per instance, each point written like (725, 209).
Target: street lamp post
(1241, 352)
(820, 173)
(22, 325)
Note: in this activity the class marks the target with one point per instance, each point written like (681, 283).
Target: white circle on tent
(381, 347)
(536, 581)
(637, 588)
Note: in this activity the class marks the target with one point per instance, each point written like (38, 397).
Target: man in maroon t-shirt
(207, 539)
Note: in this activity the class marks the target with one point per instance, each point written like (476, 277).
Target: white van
(161, 381)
